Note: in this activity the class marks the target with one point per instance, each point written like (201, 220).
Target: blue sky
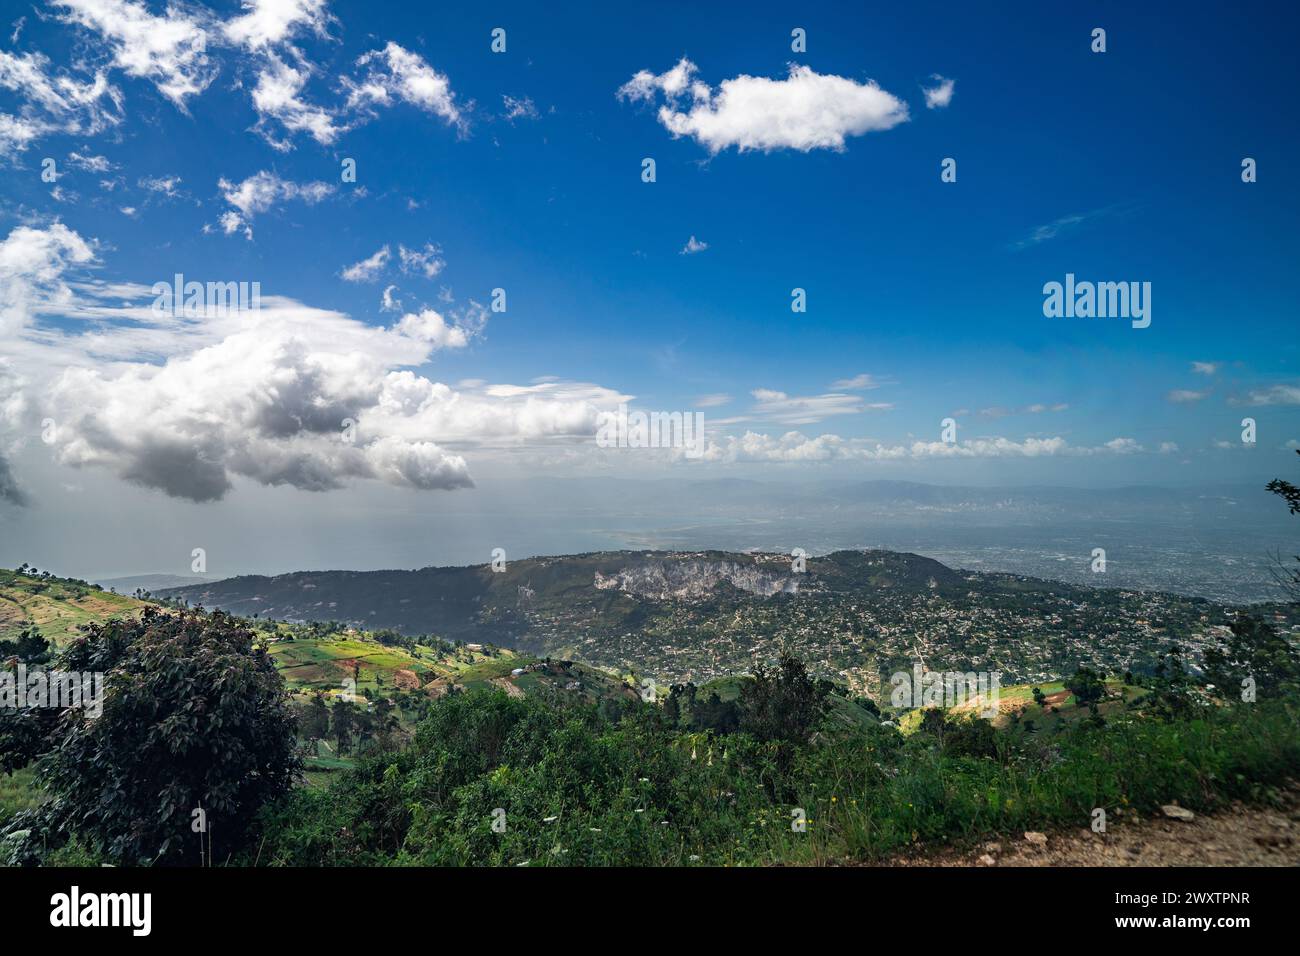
(521, 170)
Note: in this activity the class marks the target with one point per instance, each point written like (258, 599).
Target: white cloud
(857, 383)
(427, 261)
(713, 400)
(397, 73)
(804, 111)
(261, 192)
(693, 246)
(277, 96)
(369, 269)
(265, 23)
(32, 264)
(797, 447)
(1185, 396)
(17, 133)
(1123, 446)
(939, 95)
(429, 326)
(231, 222)
(518, 108)
(1272, 395)
(90, 163)
(1206, 368)
(390, 302)
(168, 50)
(999, 411)
(52, 103)
(777, 406)
(267, 402)
(164, 185)
(188, 405)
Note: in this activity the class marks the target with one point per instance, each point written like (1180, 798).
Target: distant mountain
(698, 615)
(608, 588)
(151, 582)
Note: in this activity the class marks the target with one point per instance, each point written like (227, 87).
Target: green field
(1016, 705)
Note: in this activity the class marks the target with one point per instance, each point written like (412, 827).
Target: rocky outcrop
(695, 580)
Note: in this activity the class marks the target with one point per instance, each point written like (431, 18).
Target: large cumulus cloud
(281, 395)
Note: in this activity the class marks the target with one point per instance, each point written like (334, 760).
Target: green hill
(58, 606)
(311, 664)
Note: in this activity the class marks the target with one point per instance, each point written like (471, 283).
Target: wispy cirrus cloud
(712, 400)
(1060, 227)
(771, 405)
(1037, 408)
(370, 268)
(859, 382)
(1280, 394)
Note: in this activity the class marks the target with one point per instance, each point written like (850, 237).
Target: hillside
(323, 664)
(58, 606)
(696, 616)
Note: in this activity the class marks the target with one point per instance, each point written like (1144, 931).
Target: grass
(58, 606)
(17, 792)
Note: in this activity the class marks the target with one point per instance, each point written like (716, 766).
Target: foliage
(194, 716)
(577, 789)
(783, 703)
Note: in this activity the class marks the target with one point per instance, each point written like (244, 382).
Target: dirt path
(1237, 836)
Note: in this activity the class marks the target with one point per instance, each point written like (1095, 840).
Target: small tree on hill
(782, 703)
(1087, 686)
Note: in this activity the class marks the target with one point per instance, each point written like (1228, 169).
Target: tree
(344, 720)
(194, 714)
(387, 724)
(1087, 686)
(26, 732)
(1289, 578)
(29, 647)
(1174, 690)
(782, 703)
(316, 720)
(715, 714)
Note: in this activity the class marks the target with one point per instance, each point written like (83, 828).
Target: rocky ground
(1237, 836)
